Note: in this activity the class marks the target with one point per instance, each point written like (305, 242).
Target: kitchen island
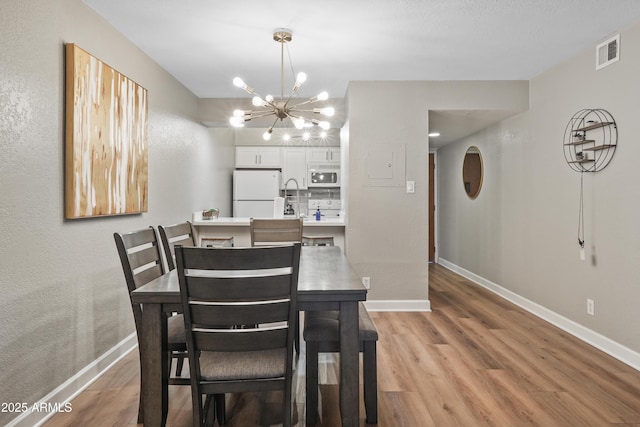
(239, 228)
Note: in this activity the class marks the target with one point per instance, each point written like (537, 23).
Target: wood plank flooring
(475, 360)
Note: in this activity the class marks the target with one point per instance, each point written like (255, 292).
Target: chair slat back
(139, 253)
(224, 287)
(177, 234)
(270, 231)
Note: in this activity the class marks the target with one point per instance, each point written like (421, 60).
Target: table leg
(154, 365)
(349, 363)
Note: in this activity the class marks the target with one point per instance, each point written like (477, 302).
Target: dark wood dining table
(326, 282)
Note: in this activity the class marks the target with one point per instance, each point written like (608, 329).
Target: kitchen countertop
(229, 221)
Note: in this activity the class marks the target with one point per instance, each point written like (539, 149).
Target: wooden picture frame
(106, 158)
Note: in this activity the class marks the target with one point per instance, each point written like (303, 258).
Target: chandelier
(282, 108)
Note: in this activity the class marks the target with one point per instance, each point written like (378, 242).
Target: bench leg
(370, 379)
(312, 382)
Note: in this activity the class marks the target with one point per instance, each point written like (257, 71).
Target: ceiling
(205, 44)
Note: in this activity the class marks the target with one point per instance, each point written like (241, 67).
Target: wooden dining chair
(139, 253)
(222, 287)
(276, 231)
(177, 234)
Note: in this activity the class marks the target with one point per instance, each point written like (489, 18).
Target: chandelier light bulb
(298, 122)
(269, 98)
(238, 113)
(286, 137)
(267, 135)
(327, 111)
(236, 121)
(300, 78)
(324, 125)
(306, 136)
(258, 102)
(238, 82)
(323, 96)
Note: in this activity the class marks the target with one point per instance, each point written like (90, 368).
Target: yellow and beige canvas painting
(106, 170)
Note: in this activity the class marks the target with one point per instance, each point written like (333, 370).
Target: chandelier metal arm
(301, 120)
(308, 101)
(274, 123)
(259, 114)
(294, 89)
(297, 110)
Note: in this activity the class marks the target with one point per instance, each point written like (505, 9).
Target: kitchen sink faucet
(297, 194)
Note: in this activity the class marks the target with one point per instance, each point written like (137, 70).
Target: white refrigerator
(254, 192)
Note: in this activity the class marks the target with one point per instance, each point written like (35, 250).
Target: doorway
(432, 208)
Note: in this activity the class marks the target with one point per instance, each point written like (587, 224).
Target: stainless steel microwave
(323, 175)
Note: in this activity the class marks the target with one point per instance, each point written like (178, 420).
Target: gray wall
(387, 231)
(64, 301)
(521, 231)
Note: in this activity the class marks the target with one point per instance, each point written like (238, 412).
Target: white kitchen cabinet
(258, 157)
(294, 165)
(323, 154)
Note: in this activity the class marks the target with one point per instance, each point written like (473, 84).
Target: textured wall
(521, 231)
(64, 301)
(387, 237)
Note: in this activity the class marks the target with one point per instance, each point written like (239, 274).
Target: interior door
(432, 208)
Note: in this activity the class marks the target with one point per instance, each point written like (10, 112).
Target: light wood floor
(475, 360)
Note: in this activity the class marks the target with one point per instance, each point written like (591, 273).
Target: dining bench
(321, 335)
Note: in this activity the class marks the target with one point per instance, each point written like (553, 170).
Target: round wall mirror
(472, 172)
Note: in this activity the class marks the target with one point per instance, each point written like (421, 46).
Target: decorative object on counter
(106, 171)
(318, 215)
(281, 108)
(289, 210)
(590, 141)
(208, 214)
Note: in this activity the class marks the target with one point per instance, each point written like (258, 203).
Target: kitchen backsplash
(311, 194)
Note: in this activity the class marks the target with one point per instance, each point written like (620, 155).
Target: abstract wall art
(106, 171)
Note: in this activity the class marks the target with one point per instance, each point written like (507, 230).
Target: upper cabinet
(323, 154)
(294, 165)
(258, 157)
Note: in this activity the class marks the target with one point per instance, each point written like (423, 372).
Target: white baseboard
(398, 305)
(64, 393)
(612, 348)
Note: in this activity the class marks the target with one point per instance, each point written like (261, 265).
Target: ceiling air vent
(608, 52)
